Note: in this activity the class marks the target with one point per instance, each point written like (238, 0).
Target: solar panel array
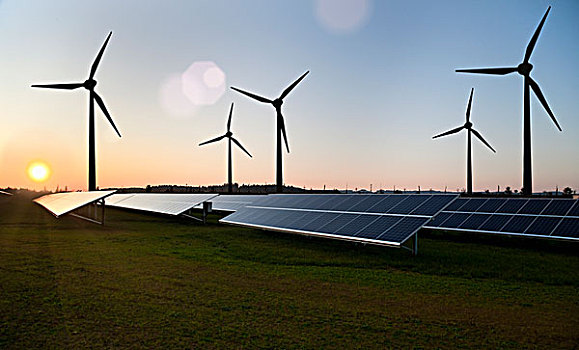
(373, 218)
(162, 203)
(534, 217)
(63, 203)
(232, 202)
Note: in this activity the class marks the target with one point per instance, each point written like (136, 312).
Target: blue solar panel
(473, 204)
(366, 204)
(388, 203)
(534, 206)
(403, 229)
(432, 205)
(357, 225)
(380, 219)
(454, 206)
(296, 220)
(495, 223)
(439, 219)
(379, 226)
(491, 205)
(544, 225)
(313, 221)
(474, 221)
(574, 211)
(279, 218)
(337, 223)
(569, 227)
(558, 207)
(518, 224)
(511, 206)
(408, 205)
(527, 216)
(263, 216)
(455, 220)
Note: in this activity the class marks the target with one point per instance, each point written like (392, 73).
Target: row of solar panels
(170, 204)
(178, 203)
(547, 218)
(378, 219)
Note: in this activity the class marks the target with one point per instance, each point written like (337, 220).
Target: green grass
(144, 281)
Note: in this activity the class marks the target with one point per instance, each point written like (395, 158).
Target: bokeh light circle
(203, 83)
(172, 98)
(342, 16)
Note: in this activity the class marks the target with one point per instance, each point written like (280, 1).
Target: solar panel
(555, 218)
(232, 202)
(162, 203)
(63, 203)
(5, 193)
(376, 219)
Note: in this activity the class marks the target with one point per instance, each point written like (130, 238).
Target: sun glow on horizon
(38, 171)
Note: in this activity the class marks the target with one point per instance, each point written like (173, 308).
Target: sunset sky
(381, 84)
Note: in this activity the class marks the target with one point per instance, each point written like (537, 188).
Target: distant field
(145, 281)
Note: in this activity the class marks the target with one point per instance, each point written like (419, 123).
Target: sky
(381, 84)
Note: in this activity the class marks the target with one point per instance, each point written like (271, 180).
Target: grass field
(144, 281)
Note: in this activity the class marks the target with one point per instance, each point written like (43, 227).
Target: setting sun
(38, 171)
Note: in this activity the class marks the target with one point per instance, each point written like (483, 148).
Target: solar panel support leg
(207, 206)
(415, 245)
(102, 203)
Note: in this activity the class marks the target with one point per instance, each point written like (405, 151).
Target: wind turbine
(280, 124)
(468, 127)
(89, 84)
(524, 69)
(230, 138)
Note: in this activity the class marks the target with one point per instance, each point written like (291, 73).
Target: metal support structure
(92, 208)
(206, 210)
(415, 244)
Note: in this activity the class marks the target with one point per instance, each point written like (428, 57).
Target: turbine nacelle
(524, 69)
(277, 103)
(468, 125)
(89, 84)
(228, 134)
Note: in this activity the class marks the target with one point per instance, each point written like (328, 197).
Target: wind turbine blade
(541, 98)
(101, 104)
(469, 105)
(240, 146)
(292, 86)
(282, 126)
(98, 58)
(476, 133)
(229, 120)
(212, 140)
(71, 86)
(449, 132)
(533, 41)
(496, 71)
(256, 97)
